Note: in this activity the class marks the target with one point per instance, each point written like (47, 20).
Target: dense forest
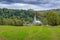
(18, 17)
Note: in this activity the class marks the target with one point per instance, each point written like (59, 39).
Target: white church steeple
(36, 21)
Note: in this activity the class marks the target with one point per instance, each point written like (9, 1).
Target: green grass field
(29, 33)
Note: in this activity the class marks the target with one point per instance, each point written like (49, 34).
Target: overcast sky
(30, 4)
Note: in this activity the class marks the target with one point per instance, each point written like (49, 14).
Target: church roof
(37, 21)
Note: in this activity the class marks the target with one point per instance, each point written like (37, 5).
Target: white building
(36, 22)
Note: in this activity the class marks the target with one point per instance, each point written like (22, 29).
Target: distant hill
(18, 17)
(24, 14)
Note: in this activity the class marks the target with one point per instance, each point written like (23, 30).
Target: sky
(30, 4)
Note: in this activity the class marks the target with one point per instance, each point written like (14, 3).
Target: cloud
(20, 6)
(33, 4)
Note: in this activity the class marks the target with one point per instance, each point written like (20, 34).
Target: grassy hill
(29, 33)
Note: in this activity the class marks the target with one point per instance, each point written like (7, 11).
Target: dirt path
(2, 38)
(54, 35)
(31, 35)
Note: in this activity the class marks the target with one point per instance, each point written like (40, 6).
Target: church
(36, 22)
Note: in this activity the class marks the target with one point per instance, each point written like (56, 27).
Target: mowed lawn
(29, 33)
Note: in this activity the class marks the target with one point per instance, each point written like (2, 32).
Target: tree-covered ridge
(11, 15)
(15, 14)
(18, 17)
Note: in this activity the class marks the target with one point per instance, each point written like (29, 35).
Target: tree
(59, 21)
(18, 22)
(52, 18)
